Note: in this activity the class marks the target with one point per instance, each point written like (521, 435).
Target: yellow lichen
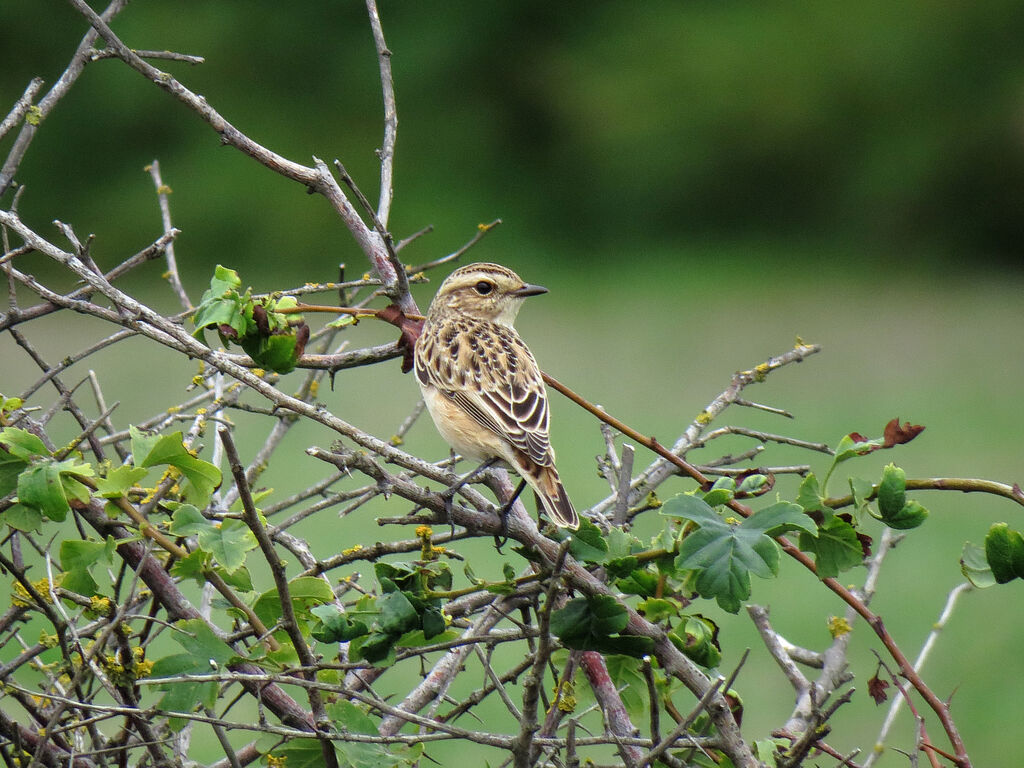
(837, 626)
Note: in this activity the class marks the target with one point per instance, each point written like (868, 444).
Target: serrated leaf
(228, 543)
(192, 567)
(835, 547)
(724, 555)
(22, 518)
(975, 567)
(808, 496)
(76, 553)
(118, 481)
(39, 486)
(351, 718)
(189, 521)
(621, 543)
(587, 543)
(199, 642)
(203, 477)
(184, 696)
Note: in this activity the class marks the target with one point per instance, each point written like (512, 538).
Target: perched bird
(481, 384)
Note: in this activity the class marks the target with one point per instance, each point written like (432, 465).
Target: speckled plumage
(482, 385)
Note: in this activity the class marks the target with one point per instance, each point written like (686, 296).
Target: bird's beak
(529, 290)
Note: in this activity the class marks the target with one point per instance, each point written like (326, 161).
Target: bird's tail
(554, 498)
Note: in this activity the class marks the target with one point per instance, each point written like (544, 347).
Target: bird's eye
(484, 287)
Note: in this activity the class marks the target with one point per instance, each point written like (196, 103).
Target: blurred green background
(697, 183)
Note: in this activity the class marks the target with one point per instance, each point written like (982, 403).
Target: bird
(481, 384)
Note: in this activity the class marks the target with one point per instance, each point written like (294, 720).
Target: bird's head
(483, 291)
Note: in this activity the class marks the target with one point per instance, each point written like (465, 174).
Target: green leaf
(192, 567)
(351, 718)
(397, 614)
(378, 648)
(592, 623)
(656, 609)
(10, 467)
(892, 491)
(76, 553)
(849, 447)
(910, 516)
(228, 543)
(221, 304)
(752, 484)
(188, 521)
(203, 477)
(22, 518)
(975, 567)
(79, 580)
(697, 638)
(184, 696)
(276, 353)
(621, 566)
(416, 638)
(306, 753)
(809, 495)
(22, 444)
(862, 490)
(202, 645)
(640, 582)
(240, 578)
(621, 544)
(40, 486)
(310, 588)
(779, 518)
(118, 481)
(587, 544)
(689, 507)
(1004, 550)
(305, 591)
(433, 623)
(836, 548)
(722, 492)
(724, 554)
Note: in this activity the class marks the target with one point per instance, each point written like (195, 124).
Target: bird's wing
(490, 373)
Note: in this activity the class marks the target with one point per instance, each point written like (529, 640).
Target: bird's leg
(448, 494)
(502, 537)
